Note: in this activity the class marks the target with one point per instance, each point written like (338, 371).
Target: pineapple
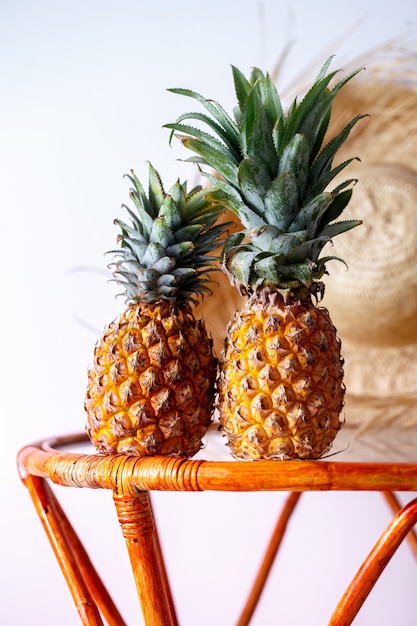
(151, 387)
(280, 387)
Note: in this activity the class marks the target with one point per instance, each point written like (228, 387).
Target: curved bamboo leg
(99, 592)
(52, 522)
(138, 527)
(373, 566)
(395, 506)
(268, 559)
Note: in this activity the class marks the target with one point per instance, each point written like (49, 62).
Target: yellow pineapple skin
(151, 387)
(280, 385)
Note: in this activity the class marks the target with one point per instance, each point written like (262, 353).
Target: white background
(82, 100)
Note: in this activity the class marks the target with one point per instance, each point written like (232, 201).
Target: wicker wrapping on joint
(122, 474)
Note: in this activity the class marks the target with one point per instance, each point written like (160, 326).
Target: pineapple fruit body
(280, 383)
(151, 388)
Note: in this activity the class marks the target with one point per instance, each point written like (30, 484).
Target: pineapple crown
(164, 253)
(275, 173)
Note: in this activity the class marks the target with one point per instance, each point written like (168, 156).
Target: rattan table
(132, 479)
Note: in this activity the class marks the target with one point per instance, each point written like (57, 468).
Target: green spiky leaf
(281, 200)
(165, 252)
(275, 171)
(310, 214)
(254, 181)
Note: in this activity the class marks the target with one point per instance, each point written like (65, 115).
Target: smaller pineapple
(151, 387)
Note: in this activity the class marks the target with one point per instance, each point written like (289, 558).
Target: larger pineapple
(150, 389)
(280, 389)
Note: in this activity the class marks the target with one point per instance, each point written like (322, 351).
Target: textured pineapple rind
(280, 384)
(151, 387)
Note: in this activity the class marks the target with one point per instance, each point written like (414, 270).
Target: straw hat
(374, 304)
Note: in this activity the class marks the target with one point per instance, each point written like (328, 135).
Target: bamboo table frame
(131, 479)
